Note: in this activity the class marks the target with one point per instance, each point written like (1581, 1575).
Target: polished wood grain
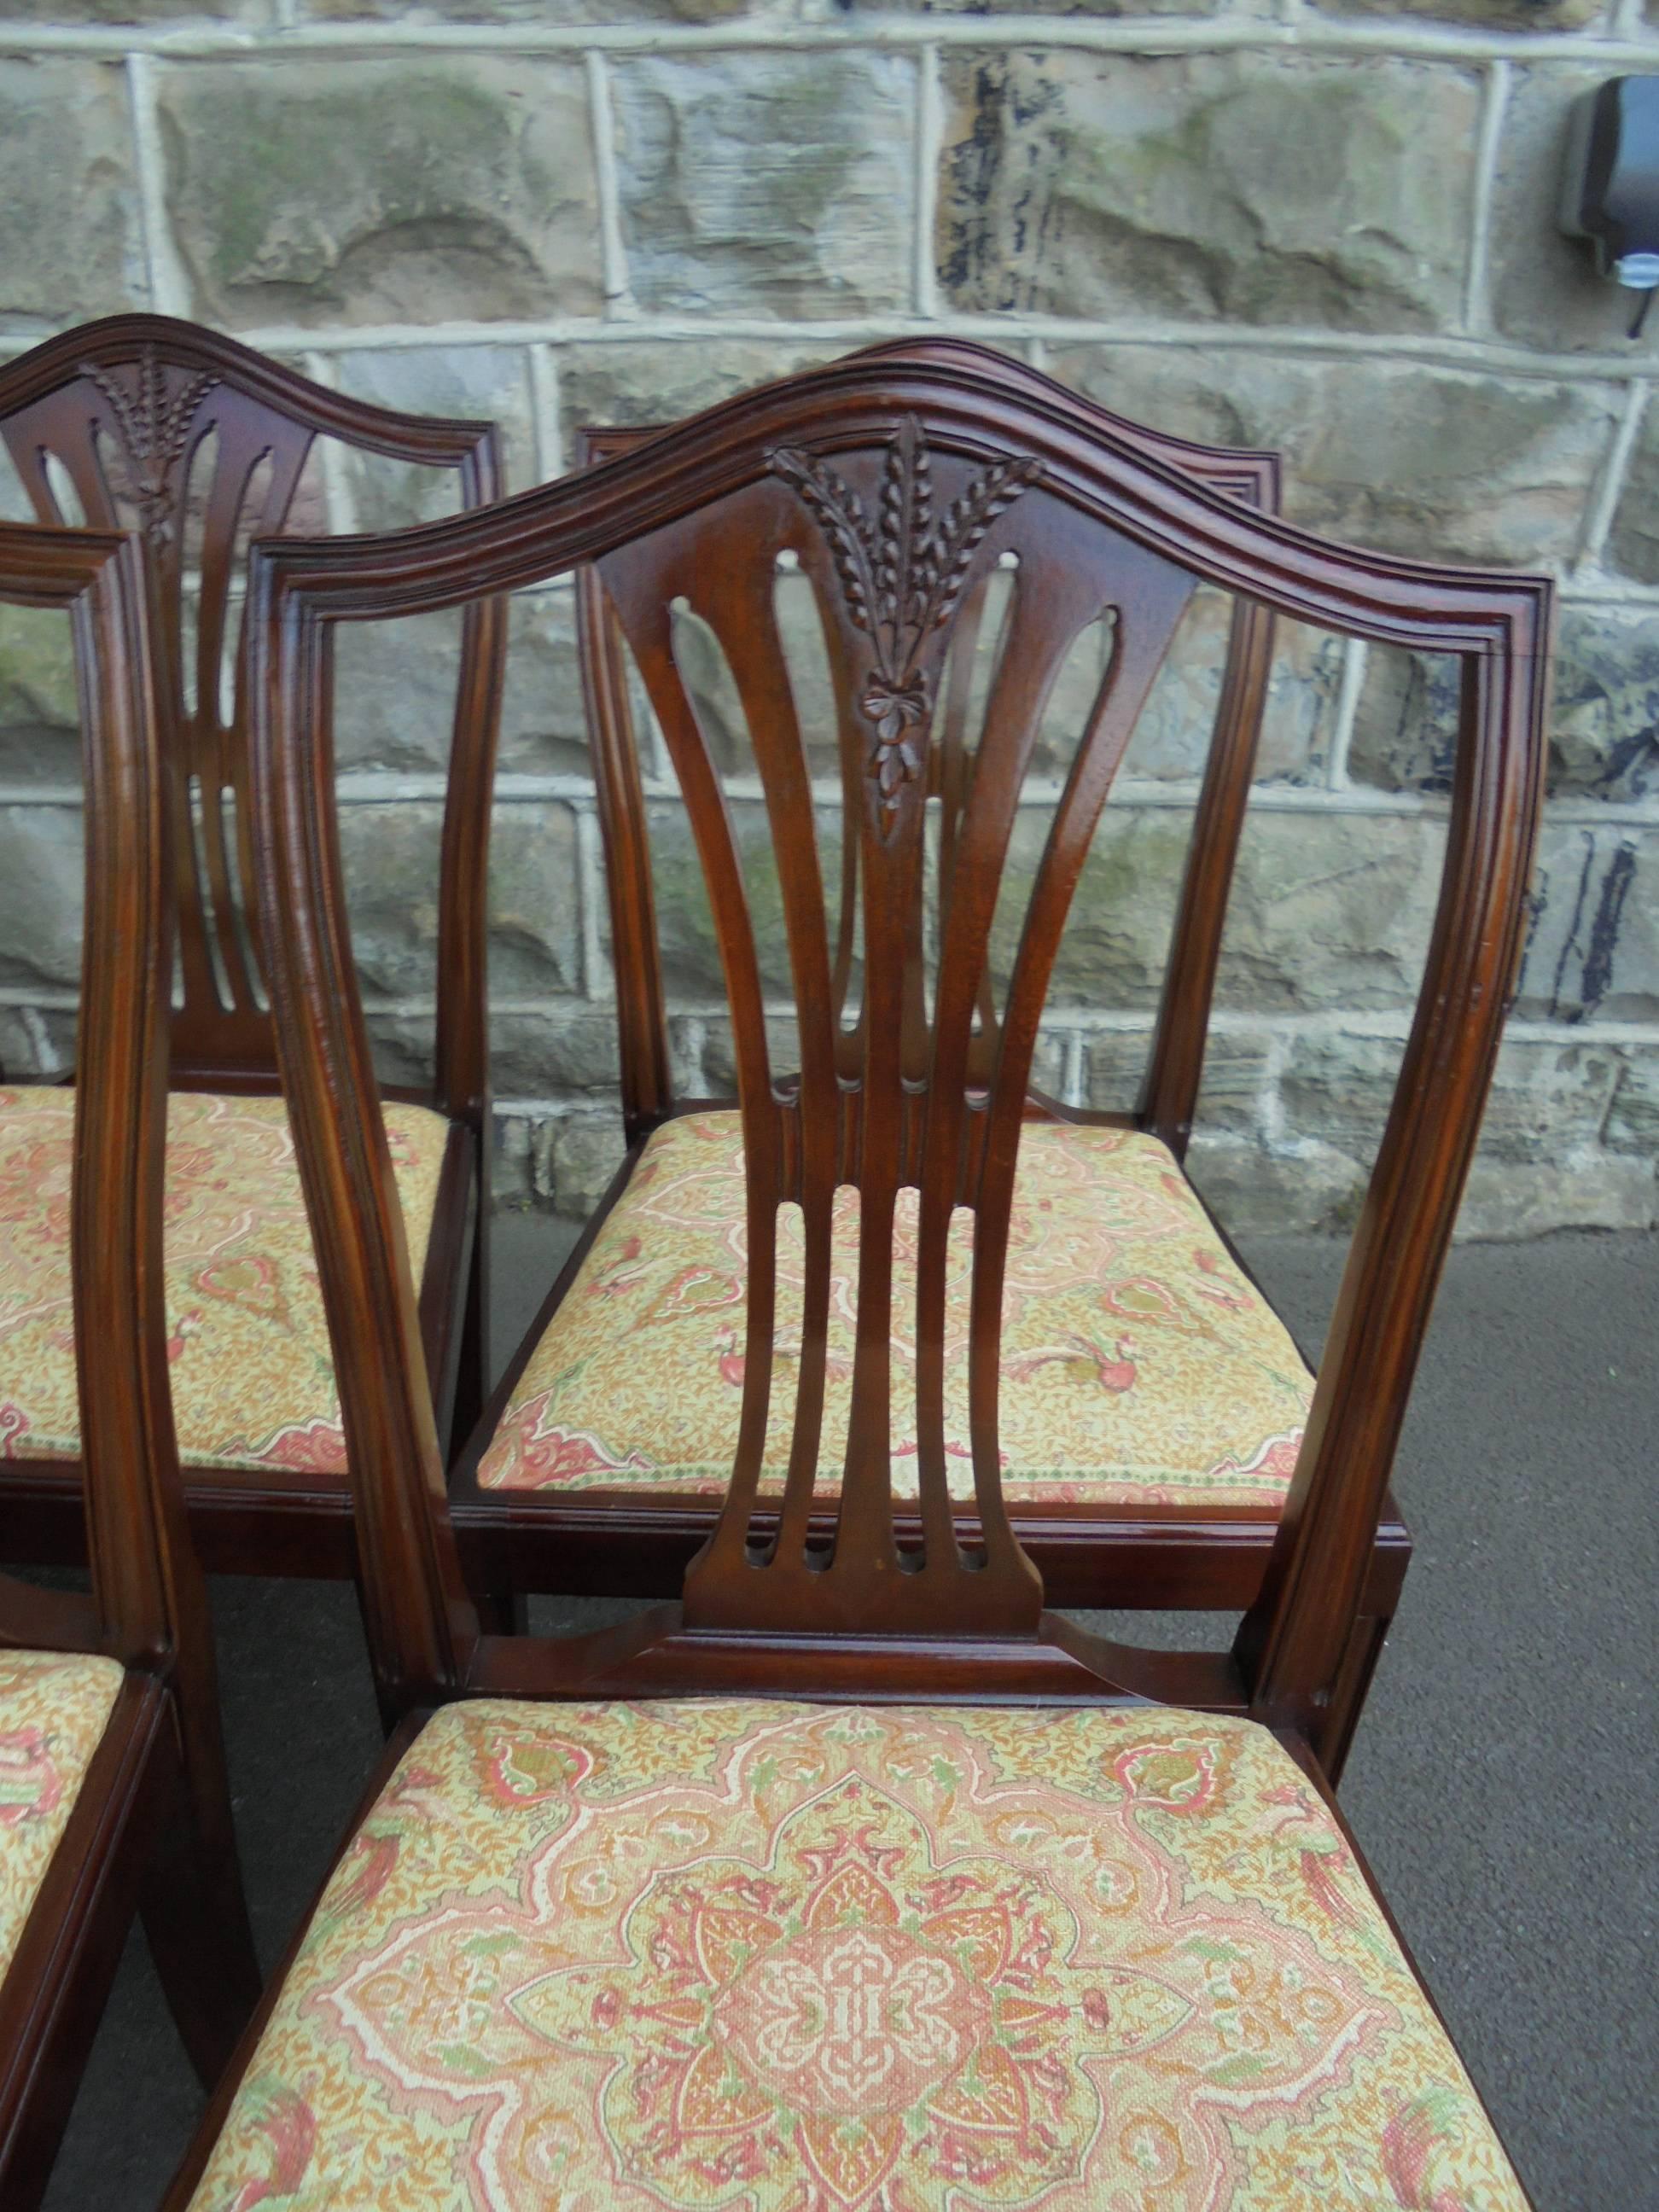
(199, 443)
(152, 1824)
(1094, 519)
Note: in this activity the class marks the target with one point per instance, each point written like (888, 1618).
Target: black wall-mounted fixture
(1610, 192)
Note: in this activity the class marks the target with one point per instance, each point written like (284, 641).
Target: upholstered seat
(1139, 1366)
(252, 1376)
(851, 1960)
(54, 1709)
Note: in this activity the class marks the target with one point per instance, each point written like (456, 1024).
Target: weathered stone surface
(1432, 462)
(1604, 720)
(1117, 936)
(561, 1048)
(40, 718)
(535, 12)
(1633, 541)
(42, 861)
(384, 191)
(71, 241)
(1329, 910)
(389, 855)
(36, 1043)
(1505, 1200)
(1275, 1190)
(1593, 943)
(1633, 1122)
(487, 384)
(690, 954)
(616, 384)
(255, 13)
(1546, 1098)
(1235, 1075)
(1268, 189)
(564, 1161)
(1543, 287)
(774, 183)
(1482, 14)
(1172, 738)
(395, 689)
(394, 693)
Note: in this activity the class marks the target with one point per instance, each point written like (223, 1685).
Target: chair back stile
(896, 484)
(148, 1600)
(201, 444)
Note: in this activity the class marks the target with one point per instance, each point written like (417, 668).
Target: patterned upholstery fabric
(1139, 1367)
(54, 1707)
(252, 1374)
(776, 1958)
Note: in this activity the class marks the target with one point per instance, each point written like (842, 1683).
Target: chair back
(1175, 1066)
(894, 486)
(141, 421)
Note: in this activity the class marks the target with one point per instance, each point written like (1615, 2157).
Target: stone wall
(1324, 225)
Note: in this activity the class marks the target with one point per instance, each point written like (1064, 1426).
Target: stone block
(1440, 464)
(490, 384)
(394, 693)
(1592, 945)
(254, 13)
(42, 863)
(1633, 541)
(458, 188)
(587, 1151)
(1172, 738)
(686, 927)
(1480, 15)
(1330, 911)
(1504, 1201)
(1281, 188)
(1547, 1099)
(36, 1043)
(1604, 717)
(613, 385)
(543, 721)
(1543, 288)
(389, 857)
(766, 183)
(535, 12)
(71, 244)
(1255, 1188)
(1633, 1122)
(39, 715)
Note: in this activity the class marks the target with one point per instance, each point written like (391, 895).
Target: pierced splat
(202, 445)
(892, 1101)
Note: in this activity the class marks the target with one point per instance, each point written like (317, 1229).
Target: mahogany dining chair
(113, 1795)
(1150, 1461)
(200, 443)
(856, 1878)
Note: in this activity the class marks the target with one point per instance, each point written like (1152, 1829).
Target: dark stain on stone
(1604, 929)
(1569, 943)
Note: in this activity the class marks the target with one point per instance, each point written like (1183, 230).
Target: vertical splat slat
(642, 586)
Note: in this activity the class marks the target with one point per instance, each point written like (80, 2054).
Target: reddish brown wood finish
(629, 1543)
(200, 443)
(1095, 521)
(156, 1783)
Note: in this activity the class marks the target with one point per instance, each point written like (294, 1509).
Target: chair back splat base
(895, 485)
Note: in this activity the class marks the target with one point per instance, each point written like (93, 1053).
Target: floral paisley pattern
(252, 1374)
(743, 1957)
(54, 1709)
(1139, 1366)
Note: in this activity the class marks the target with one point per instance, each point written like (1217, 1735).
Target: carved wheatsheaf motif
(901, 575)
(150, 428)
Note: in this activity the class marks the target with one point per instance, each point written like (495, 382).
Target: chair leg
(195, 1916)
(1352, 1686)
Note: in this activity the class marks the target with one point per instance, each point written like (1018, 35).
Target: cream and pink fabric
(1139, 1366)
(252, 1371)
(54, 1708)
(743, 1957)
